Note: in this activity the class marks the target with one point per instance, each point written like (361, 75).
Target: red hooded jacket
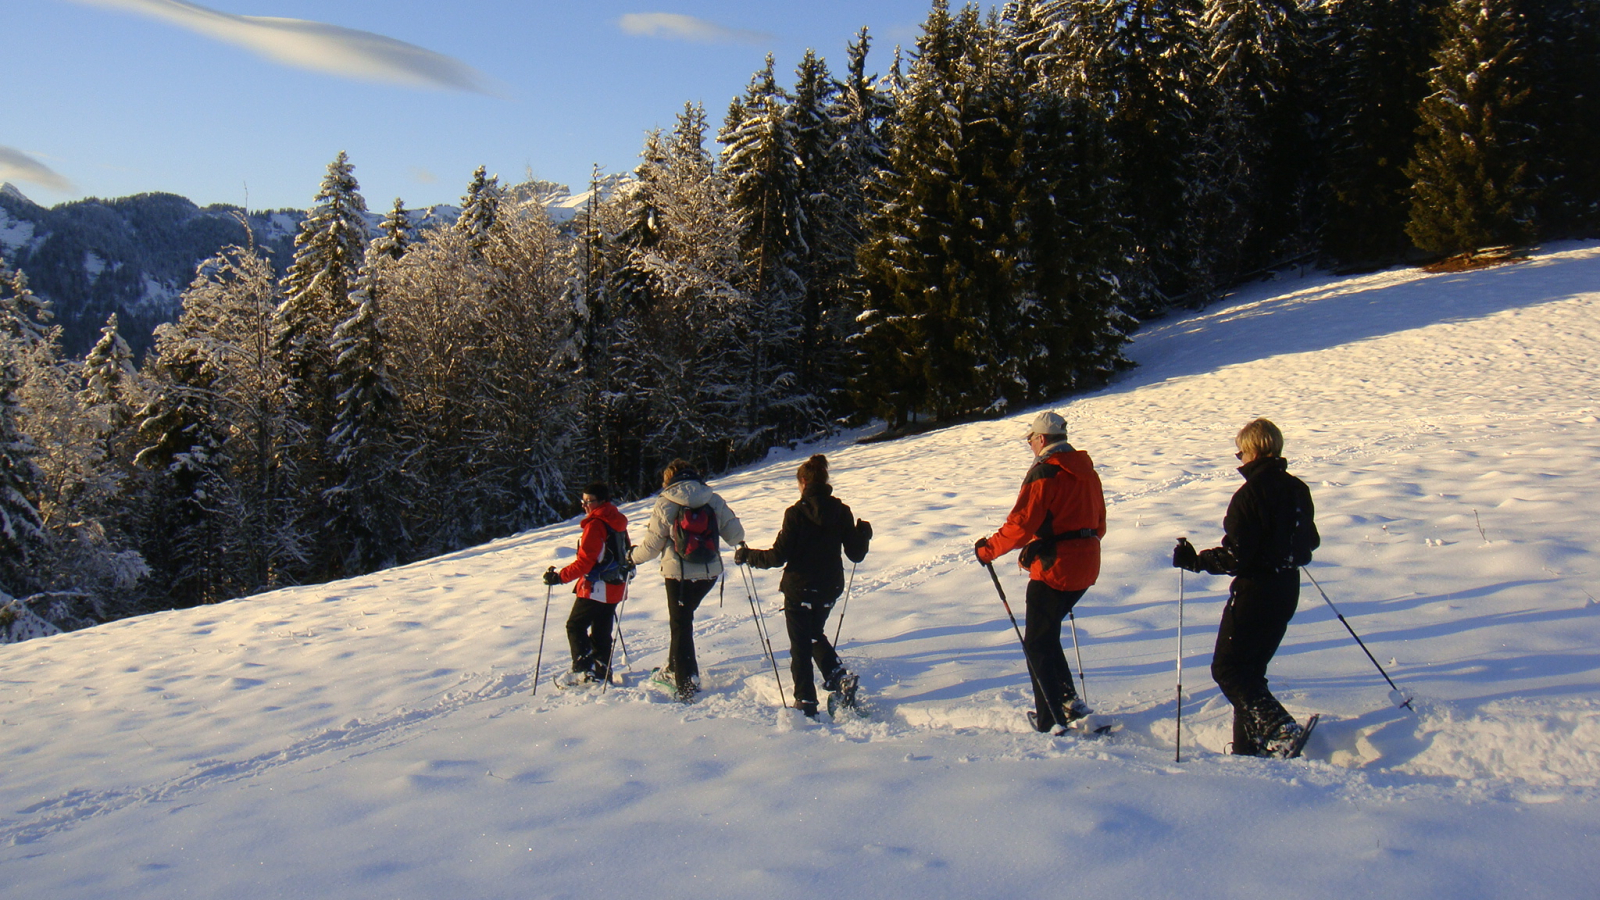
(1060, 494)
(591, 544)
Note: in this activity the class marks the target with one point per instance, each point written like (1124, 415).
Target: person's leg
(1046, 608)
(578, 636)
(601, 618)
(1253, 625)
(683, 598)
(797, 621)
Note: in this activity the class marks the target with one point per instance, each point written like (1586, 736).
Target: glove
(1185, 557)
(865, 528)
(981, 550)
(551, 577)
(741, 555)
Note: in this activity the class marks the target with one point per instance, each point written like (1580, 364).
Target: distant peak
(10, 190)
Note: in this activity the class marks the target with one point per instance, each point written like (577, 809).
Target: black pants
(1253, 624)
(683, 598)
(1041, 639)
(805, 615)
(589, 636)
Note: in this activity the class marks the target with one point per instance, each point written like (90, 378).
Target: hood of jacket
(815, 500)
(1074, 462)
(609, 514)
(688, 493)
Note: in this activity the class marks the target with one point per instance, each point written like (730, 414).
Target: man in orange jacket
(1058, 520)
(601, 571)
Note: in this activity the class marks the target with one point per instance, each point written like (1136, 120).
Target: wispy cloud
(18, 166)
(688, 28)
(316, 46)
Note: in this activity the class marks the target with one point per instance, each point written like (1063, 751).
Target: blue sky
(223, 101)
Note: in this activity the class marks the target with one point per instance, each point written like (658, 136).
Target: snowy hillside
(378, 737)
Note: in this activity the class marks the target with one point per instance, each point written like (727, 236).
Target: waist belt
(1045, 547)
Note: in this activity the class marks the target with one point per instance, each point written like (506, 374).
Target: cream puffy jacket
(657, 539)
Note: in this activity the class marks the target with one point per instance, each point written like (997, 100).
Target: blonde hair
(672, 470)
(1261, 438)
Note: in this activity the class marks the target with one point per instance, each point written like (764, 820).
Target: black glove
(979, 547)
(1185, 557)
(551, 577)
(865, 528)
(741, 555)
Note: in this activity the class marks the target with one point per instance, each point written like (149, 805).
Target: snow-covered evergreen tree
(365, 527)
(226, 517)
(1470, 173)
(395, 233)
(22, 534)
(480, 207)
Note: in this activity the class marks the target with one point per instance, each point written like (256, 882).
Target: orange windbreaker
(591, 543)
(1060, 494)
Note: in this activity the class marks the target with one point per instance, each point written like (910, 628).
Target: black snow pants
(589, 636)
(1041, 639)
(1253, 624)
(805, 615)
(683, 598)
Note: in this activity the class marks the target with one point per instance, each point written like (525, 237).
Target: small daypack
(694, 534)
(615, 565)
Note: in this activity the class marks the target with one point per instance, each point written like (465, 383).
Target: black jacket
(1270, 523)
(814, 531)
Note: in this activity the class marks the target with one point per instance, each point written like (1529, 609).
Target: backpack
(694, 534)
(614, 566)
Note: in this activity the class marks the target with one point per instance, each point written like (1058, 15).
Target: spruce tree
(395, 232)
(1470, 172)
(22, 534)
(480, 207)
(1372, 72)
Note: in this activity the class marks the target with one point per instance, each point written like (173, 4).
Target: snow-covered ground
(378, 737)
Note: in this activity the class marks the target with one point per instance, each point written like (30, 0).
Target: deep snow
(378, 737)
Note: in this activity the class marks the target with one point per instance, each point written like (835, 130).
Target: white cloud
(18, 166)
(315, 45)
(688, 28)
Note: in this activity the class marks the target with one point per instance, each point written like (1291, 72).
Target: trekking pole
(839, 626)
(1083, 683)
(625, 660)
(1177, 741)
(761, 629)
(616, 638)
(1403, 701)
(1014, 627)
(539, 660)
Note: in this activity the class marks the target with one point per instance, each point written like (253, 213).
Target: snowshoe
(575, 679)
(664, 678)
(1290, 740)
(843, 697)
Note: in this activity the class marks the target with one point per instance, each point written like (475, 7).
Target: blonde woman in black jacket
(814, 531)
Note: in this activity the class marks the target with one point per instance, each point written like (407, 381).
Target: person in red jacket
(1058, 520)
(601, 571)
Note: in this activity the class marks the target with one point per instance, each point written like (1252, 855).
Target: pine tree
(1372, 73)
(329, 250)
(1564, 54)
(480, 207)
(226, 515)
(395, 232)
(365, 501)
(1470, 171)
(22, 534)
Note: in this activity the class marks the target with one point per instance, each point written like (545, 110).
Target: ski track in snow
(1446, 424)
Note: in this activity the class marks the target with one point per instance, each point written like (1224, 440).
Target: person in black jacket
(1268, 534)
(814, 530)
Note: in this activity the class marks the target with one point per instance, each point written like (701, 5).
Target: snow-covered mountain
(135, 255)
(380, 737)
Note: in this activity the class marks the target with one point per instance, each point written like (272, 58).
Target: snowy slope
(378, 738)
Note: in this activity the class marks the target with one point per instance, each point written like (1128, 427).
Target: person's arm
(1020, 526)
(729, 527)
(857, 536)
(779, 554)
(655, 536)
(591, 543)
